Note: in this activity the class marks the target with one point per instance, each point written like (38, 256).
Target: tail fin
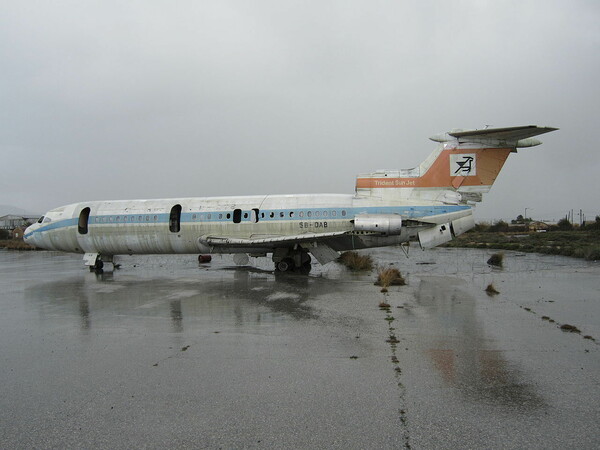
(464, 166)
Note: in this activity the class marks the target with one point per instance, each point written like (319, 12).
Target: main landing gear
(287, 260)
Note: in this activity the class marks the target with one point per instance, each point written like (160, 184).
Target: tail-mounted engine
(442, 233)
(386, 224)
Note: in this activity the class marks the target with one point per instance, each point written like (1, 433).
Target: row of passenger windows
(271, 214)
(212, 216)
(124, 219)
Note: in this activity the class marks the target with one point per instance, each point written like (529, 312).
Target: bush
(481, 227)
(491, 290)
(355, 261)
(593, 253)
(564, 225)
(499, 227)
(592, 226)
(496, 259)
(389, 276)
(4, 235)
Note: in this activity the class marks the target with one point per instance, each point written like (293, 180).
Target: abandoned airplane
(430, 204)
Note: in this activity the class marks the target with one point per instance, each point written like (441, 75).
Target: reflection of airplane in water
(430, 203)
(463, 354)
(249, 297)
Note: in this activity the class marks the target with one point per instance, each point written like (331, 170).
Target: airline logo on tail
(464, 164)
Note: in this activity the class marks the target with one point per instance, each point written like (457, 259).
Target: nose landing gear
(95, 262)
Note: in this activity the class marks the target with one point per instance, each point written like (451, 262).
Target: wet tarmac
(166, 353)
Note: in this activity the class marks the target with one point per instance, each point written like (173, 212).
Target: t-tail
(462, 168)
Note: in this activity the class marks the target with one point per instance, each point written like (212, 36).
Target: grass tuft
(389, 276)
(356, 262)
(491, 290)
(496, 259)
(570, 328)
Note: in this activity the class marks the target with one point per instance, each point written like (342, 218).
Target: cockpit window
(47, 219)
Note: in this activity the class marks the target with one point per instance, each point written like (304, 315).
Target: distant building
(17, 233)
(538, 226)
(10, 222)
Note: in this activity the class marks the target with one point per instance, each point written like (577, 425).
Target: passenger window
(272, 214)
(237, 215)
(309, 214)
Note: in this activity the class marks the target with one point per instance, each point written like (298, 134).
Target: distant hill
(9, 209)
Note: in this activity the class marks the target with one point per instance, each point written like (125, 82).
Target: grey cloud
(149, 99)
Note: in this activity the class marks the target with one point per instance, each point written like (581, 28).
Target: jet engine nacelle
(442, 233)
(388, 224)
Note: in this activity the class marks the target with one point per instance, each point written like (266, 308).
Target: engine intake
(387, 224)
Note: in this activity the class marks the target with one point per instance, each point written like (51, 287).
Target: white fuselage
(150, 227)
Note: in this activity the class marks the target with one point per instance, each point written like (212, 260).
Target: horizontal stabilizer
(507, 134)
(497, 137)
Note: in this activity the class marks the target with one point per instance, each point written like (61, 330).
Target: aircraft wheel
(306, 259)
(99, 265)
(305, 269)
(285, 265)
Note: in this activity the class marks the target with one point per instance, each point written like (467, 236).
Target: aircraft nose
(29, 235)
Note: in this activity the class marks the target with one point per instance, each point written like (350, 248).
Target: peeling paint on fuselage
(142, 226)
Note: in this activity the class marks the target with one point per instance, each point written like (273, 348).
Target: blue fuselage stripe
(271, 215)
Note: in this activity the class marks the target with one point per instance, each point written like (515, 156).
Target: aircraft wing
(313, 242)
(270, 241)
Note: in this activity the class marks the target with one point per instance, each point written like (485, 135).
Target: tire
(306, 259)
(285, 265)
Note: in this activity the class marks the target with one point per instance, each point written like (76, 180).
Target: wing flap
(270, 241)
(323, 253)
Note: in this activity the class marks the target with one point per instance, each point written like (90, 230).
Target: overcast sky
(149, 99)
